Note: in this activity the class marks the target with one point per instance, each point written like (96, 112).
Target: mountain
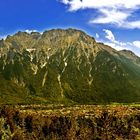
(66, 66)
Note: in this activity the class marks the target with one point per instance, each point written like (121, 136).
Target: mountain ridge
(66, 66)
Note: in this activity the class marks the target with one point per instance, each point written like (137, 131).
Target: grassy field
(77, 122)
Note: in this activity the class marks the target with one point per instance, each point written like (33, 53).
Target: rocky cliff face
(65, 66)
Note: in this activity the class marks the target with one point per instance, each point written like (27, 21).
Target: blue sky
(116, 23)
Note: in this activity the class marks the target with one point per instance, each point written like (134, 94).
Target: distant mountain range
(66, 66)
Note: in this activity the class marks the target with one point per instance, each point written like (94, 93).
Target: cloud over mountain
(110, 39)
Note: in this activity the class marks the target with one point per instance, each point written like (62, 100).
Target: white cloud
(30, 31)
(136, 44)
(118, 45)
(132, 24)
(109, 35)
(110, 11)
(112, 16)
(97, 36)
(65, 1)
(115, 46)
(82, 4)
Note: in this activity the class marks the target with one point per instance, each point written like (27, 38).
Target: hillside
(65, 66)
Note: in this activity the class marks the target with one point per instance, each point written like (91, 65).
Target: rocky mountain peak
(66, 65)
